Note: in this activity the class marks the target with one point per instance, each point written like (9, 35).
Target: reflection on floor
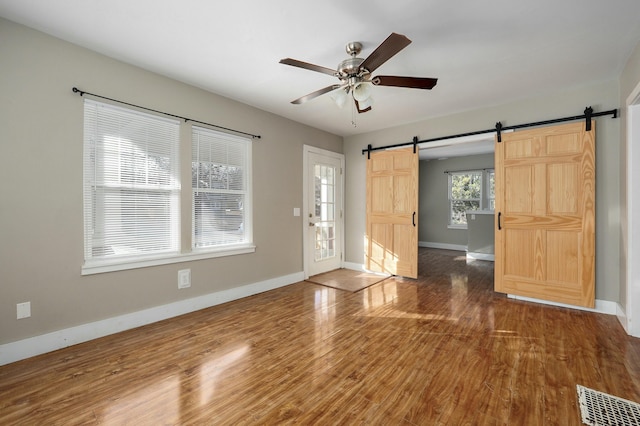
(442, 349)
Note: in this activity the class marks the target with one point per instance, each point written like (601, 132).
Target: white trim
(361, 268)
(602, 306)
(15, 351)
(631, 311)
(354, 266)
(622, 317)
(444, 246)
(481, 256)
(97, 267)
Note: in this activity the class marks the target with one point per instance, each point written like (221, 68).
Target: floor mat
(601, 409)
(347, 279)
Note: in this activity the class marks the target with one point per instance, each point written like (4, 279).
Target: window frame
(184, 251)
(247, 211)
(484, 200)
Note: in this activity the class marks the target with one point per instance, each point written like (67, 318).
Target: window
(467, 192)
(491, 189)
(220, 167)
(132, 192)
(325, 211)
(131, 184)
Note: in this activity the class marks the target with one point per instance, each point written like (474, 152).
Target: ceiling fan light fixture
(340, 97)
(367, 103)
(361, 91)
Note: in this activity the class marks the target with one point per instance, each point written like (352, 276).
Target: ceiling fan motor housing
(350, 67)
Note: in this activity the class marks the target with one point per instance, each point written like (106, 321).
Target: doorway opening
(447, 228)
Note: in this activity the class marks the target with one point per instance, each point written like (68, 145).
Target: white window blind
(131, 184)
(220, 170)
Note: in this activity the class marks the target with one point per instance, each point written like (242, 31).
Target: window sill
(98, 267)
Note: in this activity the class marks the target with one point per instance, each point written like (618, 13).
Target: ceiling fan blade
(317, 93)
(360, 111)
(307, 66)
(392, 45)
(411, 82)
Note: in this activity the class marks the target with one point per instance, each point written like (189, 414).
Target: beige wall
(602, 96)
(41, 216)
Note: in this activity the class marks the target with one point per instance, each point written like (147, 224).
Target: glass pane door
(325, 211)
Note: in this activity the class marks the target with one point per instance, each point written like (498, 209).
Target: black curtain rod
(587, 116)
(81, 92)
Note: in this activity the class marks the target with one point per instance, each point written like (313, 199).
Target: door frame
(307, 253)
(631, 318)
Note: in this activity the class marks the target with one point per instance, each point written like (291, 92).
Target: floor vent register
(601, 409)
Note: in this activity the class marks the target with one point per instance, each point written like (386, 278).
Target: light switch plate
(296, 211)
(23, 310)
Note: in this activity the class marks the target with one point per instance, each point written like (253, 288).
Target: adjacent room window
(491, 189)
(468, 191)
(131, 184)
(220, 167)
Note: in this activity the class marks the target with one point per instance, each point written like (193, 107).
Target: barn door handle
(413, 219)
(499, 224)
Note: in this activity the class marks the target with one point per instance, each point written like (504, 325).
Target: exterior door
(323, 211)
(392, 212)
(545, 214)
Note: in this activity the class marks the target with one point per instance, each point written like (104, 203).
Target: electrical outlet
(23, 310)
(184, 278)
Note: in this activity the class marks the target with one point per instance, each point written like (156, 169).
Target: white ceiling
(483, 52)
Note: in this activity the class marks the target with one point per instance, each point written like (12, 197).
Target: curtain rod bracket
(587, 115)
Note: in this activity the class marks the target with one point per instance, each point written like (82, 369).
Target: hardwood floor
(442, 349)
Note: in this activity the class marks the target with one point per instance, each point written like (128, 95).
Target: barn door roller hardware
(499, 128)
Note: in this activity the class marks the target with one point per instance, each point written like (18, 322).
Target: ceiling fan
(355, 74)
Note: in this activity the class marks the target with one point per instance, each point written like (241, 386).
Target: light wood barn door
(545, 214)
(392, 212)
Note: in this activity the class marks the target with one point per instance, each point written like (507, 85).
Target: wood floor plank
(443, 349)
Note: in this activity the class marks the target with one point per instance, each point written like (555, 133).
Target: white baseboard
(622, 317)
(354, 266)
(481, 256)
(22, 349)
(361, 268)
(602, 306)
(443, 246)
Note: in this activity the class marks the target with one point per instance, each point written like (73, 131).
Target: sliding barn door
(545, 214)
(392, 212)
